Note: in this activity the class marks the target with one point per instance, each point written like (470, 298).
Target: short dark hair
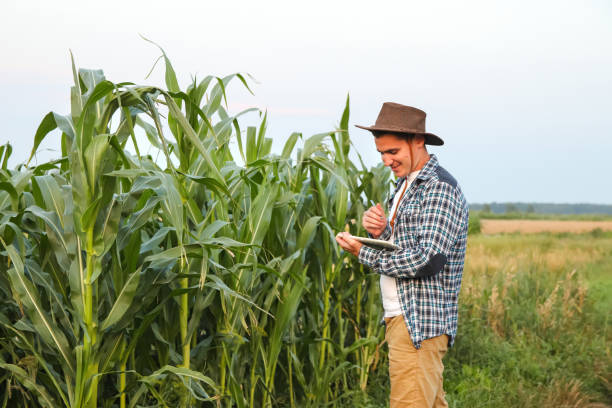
(406, 136)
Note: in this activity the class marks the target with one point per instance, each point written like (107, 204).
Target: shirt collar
(426, 172)
(429, 169)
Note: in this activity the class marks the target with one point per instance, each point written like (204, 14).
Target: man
(419, 282)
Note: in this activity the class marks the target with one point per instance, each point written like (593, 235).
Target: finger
(378, 211)
(350, 240)
(375, 230)
(370, 219)
(371, 227)
(375, 218)
(346, 237)
(354, 246)
(340, 238)
(342, 243)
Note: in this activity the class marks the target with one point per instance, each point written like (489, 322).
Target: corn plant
(207, 280)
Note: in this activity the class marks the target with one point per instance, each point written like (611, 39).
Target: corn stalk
(200, 279)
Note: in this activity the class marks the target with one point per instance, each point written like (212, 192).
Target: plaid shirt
(431, 229)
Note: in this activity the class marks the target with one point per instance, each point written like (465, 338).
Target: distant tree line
(542, 208)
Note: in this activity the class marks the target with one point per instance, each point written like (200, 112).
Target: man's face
(395, 153)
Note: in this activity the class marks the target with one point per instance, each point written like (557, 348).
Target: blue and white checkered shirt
(431, 229)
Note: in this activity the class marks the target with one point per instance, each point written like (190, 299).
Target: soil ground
(535, 226)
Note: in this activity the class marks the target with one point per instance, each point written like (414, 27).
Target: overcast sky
(521, 91)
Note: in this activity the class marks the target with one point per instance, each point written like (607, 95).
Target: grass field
(534, 323)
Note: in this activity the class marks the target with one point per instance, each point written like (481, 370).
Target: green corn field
(208, 280)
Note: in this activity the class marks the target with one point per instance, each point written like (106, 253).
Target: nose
(387, 161)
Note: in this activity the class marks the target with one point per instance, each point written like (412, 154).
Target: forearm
(407, 263)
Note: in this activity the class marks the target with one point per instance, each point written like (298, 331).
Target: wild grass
(534, 325)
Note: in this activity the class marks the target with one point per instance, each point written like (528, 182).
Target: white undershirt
(388, 286)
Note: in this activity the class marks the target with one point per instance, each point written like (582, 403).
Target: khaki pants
(416, 375)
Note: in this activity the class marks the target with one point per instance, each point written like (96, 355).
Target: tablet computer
(376, 243)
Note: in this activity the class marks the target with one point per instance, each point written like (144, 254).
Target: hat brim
(430, 138)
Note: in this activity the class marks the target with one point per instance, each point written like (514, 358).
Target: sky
(521, 91)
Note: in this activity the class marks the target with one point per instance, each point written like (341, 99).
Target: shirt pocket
(409, 223)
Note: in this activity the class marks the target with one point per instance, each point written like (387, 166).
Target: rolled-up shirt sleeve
(437, 231)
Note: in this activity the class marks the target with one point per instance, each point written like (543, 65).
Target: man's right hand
(374, 220)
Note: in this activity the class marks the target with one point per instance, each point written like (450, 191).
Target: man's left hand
(348, 244)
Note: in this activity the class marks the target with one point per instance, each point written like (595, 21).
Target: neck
(420, 162)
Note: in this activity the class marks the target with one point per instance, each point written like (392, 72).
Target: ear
(419, 141)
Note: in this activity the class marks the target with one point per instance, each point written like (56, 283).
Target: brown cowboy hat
(396, 118)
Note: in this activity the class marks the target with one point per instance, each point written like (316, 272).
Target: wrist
(374, 234)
